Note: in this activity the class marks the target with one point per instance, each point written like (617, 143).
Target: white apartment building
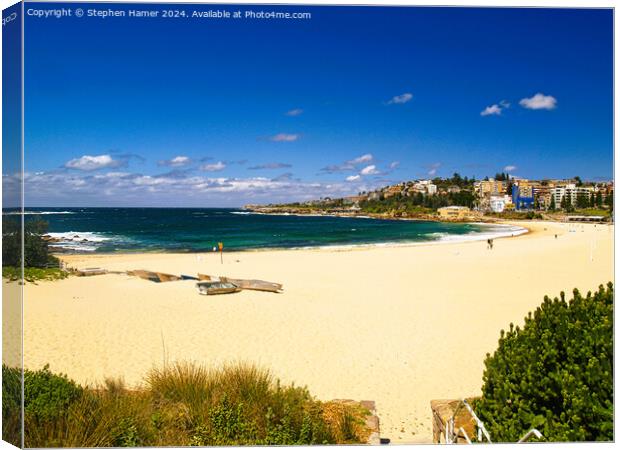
(570, 190)
(498, 203)
(425, 187)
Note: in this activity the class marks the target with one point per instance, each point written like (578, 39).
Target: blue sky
(204, 112)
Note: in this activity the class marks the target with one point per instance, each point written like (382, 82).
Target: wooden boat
(157, 277)
(90, 271)
(144, 274)
(216, 287)
(254, 285)
(163, 277)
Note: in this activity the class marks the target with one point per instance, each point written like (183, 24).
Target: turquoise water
(196, 230)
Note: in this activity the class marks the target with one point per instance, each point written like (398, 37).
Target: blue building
(521, 201)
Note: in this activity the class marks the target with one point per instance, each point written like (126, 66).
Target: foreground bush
(555, 374)
(183, 405)
(11, 405)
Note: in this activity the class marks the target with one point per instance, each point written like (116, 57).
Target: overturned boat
(90, 271)
(157, 277)
(253, 285)
(216, 287)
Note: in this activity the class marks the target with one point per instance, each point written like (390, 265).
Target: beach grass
(179, 405)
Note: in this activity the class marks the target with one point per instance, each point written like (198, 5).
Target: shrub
(47, 396)
(33, 274)
(11, 404)
(36, 251)
(554, 374)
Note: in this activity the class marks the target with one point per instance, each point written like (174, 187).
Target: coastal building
(542, 195)
(488, 188)
(354, 199)
(501, 203)
(391, 191)
(454, 212)
(426, 187)
(572, 192)
(523, 195)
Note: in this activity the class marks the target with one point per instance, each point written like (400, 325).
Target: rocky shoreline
(276, 210)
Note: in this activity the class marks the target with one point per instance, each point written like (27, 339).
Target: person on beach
(490, 244)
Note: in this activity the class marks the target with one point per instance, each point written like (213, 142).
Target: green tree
(552, 203)
(554, 374)
(36, 251)
(583, 200)
(11, 241)
(599, 199)
(609, 201)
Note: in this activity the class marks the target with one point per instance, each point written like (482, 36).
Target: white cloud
(433, 168)
(349, 165)
(215, 167)
(88, 162)
(295, 112)
(369, 170)
(361, 159)
(400, 99)
(493, 110)
(270, 166)
(177, 161)
(181, 189)
(510, 168)
(353, 178)
(288, 176)
(284, 137)
(394, 165)
(539, 101)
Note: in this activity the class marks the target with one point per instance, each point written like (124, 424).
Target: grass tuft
(180, 405)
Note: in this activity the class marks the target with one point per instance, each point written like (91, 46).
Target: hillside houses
(522, 194)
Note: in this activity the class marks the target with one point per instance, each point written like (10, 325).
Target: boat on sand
(216, 287)
(253, 285)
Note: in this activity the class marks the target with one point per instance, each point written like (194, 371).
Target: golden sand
(399, 325)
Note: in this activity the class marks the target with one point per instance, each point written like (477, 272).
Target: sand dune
(400, 326)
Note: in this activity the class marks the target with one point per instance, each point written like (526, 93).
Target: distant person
(491, 243)
(556, 236)
(488, 244)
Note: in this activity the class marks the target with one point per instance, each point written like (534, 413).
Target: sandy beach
(397, 325)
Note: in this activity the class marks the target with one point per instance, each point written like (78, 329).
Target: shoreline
(447, 239)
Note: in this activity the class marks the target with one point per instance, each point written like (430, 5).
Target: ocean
(106, 230)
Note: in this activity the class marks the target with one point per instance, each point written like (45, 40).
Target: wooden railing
(455, 422)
